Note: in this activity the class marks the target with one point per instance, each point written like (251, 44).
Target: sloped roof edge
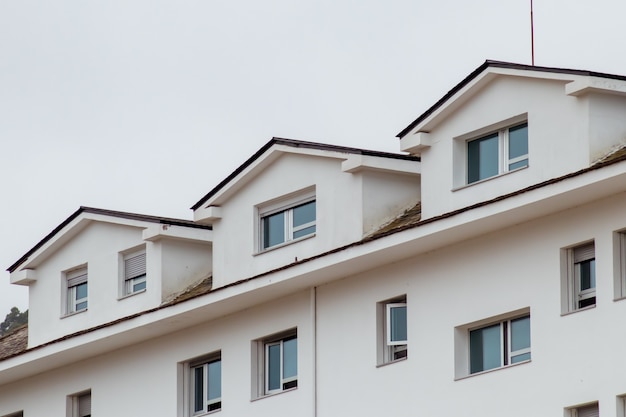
(297, 144)
(506, 65)
(104, 212)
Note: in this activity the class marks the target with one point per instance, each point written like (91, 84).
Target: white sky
(145, 105)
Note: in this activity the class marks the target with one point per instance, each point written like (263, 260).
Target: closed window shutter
(76, 277)
(584, 253)
(589, 411)
(84, 405)
(135, 266)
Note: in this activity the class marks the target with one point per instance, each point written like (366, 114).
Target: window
(392, 330)
(277, 364)
(620, 264)
(580, 278)
(206, 385)
(502, 151)
(287, 221)
(80, 404)
(499, 344)
(76, 290)
(134, 272)
(589, 410)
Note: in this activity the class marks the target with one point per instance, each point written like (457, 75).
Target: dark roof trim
(507, 65)
(297, 144)
(112, 213)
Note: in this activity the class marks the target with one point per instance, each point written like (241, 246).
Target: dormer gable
(535, 123)
(99, 266)
(266, 212)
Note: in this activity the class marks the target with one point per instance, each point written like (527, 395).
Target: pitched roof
(297, 144)
(110, 213)
(14, 343)
(506, 65)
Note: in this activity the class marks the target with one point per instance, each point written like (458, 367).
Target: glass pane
(587, 274)
(518, 141)
(304, 214)
(519, 164)
(304, 232)
(290, 358)
(482, 158)
(215, 380)
(139, 286)
(81, 291)
(520, 358)
(397, 321)
(485, 351)
(81, 306)
(273, 367)
(520, 333)
(198, 389)
(273, 229)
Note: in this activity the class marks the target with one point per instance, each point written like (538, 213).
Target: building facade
(480, 273)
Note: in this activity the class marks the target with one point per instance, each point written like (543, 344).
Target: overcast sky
(145, 105)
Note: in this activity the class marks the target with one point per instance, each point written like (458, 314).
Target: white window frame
(74, 278)
(619, 257)
(462, 343)
(572, 292)
(389, 350)
(506, 354)
(586, 410)
(133, 274)
(79, 405)
(209, 405)
(504, 161)
(261, 386)
(285, 204)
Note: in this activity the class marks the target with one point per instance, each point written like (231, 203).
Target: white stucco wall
(183, 264)
(143, 380)
(607, 124)
(557, 141)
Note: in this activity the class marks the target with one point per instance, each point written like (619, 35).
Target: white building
(483, 274)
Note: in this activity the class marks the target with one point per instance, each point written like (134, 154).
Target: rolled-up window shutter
(135, 266)
(84, 405)
(589, 411)
(585, 252)
(76, 277)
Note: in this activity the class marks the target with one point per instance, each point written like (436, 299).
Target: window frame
(74, 278)
(286, 205)
(462, 343)
(574, 297)
(207, 404)
(504, 161)
(262, 362)
(137, 276)
(389, 350)
(584, 410)
(619, 256)
(74, 404)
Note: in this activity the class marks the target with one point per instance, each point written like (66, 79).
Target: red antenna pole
(532, 34)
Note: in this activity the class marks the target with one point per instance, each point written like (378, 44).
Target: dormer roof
(578, 82)
(85, 215)
(354, 160)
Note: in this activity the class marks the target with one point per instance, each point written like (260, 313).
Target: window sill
(273, 394)
(382, 365)
(461, 187)
(125, 296)
(207, 413)
(492, 370)
(73, 313)
(567, 313)
(282, 245)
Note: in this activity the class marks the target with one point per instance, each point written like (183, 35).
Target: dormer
(293, 200)
(507, 127)
(99, 266)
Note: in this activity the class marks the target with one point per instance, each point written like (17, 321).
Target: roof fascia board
(585, 85)
(76, 222)
(474, 85)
